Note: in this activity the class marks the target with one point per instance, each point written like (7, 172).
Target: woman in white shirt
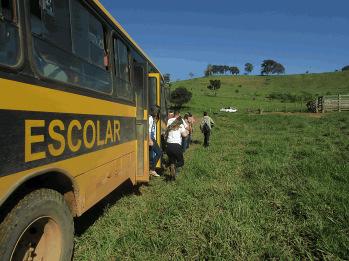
(175, 131)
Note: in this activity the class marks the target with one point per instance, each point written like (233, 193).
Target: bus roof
(116, 23)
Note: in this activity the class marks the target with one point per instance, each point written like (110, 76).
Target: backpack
(205, 128)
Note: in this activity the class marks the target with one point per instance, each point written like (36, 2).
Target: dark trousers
(155, 154)
(175, 154)
(207, 138)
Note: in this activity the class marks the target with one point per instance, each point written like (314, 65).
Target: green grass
(268, 187)
(251, 92)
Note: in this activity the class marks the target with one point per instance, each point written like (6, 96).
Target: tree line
(267, 67)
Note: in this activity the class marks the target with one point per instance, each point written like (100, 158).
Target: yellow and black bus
(75, 90)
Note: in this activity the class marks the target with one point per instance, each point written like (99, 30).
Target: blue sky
(184, 36)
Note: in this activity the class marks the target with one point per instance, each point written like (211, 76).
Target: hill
(275, 93)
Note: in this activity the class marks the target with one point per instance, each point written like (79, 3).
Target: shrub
(180, 96)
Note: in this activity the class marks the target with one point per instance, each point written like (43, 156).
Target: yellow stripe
(145, 115)
(75, 166)
(27, 97)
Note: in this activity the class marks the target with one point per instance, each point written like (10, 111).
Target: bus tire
(39, 226)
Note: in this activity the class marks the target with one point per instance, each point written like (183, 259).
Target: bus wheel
(39, 227)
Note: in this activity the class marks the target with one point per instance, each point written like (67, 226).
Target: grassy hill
(270, 186)
(290, 92)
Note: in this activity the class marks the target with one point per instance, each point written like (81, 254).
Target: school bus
(75, 90)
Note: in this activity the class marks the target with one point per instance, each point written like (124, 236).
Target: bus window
(122, 70)
(69, 49)
(9, 34)
(152, 91)
(87, 29)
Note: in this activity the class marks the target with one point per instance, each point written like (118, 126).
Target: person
(185, 140)
(191, 121)
(175, 131)
(177, 115)
(206, 126)
(155, 152)
(170, 115)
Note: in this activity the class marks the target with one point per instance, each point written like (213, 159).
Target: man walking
(206, 126)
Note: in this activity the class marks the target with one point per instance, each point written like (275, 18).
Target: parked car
(229, 109)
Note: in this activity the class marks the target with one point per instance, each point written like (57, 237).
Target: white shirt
(175, 136)
(151, 122)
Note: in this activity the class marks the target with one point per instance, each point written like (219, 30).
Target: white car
(229, 109)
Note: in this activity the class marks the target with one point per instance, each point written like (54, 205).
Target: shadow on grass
(196, 142)
(92, 215)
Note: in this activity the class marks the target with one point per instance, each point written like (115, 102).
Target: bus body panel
(105, 166)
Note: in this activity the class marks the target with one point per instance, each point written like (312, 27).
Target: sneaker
(153, 173)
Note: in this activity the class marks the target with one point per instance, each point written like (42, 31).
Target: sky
(184, 36)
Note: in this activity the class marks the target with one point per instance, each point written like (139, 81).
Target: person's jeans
(185, 143)
(155, 154)
(189, 141)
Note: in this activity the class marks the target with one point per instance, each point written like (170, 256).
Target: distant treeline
(267, 67)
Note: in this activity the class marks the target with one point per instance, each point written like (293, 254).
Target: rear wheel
(39, 227)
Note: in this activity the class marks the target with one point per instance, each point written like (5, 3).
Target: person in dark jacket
(206, 126)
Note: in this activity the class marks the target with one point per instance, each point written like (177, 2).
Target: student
(175, 131)
(191, 121)
(170, 115)
(206, 126)
(185, 140)
(155, 152)
(177, 114)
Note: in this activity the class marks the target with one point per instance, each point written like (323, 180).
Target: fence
(333, 103)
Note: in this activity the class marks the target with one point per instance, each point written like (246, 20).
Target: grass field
(268, 187)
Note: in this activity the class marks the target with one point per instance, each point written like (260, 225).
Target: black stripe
(12, 137)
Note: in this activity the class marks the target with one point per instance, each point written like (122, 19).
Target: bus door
(140, 81)
(154, 99)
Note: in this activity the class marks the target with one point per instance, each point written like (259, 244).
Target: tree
(191, 75)
(234, 70)
(271, 67)
(209, 70)
(248, 68)
(267, 67)
(278, 69)
(167, 78)
(180, 96)
(345, 68)
(214, 86)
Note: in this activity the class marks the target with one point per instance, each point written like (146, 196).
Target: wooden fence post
(339, 102)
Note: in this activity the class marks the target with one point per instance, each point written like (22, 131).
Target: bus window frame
(17, 22)
(115, 35)
(65, 86)
(150, 89)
